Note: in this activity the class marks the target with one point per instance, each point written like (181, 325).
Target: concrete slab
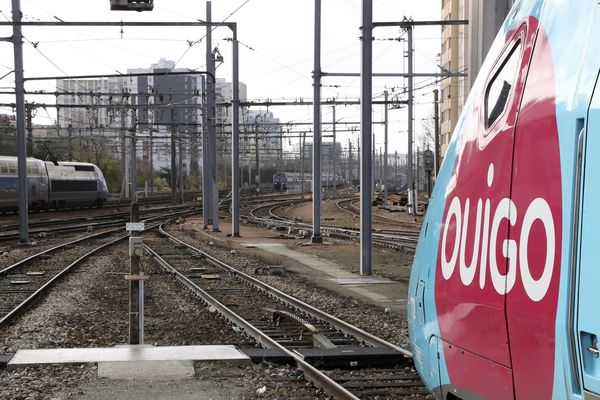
(25, 358)
(337, 272)
(362, 281)
(324, 266)
(146, 370)
(263, 245)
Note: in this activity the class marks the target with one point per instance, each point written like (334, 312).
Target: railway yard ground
(196, 281)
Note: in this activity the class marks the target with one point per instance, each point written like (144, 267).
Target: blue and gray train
(280, 181)
(52, 185)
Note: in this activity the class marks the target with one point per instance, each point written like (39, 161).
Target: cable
(192, 44)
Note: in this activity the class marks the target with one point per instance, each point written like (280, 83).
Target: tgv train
(52, 185)
(505, 286)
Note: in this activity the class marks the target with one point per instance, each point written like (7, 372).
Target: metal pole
(417, 180)
(124, 173)
(412, 201)
(20, 103)
(316, 172)
(350, 162)
(58, 120)
(29, 111)
(212, 137)
(385, 151)
(366, 129)
(151, 161)
(133, 153)
(281, 159)
(417, 171)
(205, 158)
(235, 142)
(358, 159)
(436, 120)
(303, 150)
(373, 168)
(257, 178)
(396, 170)
(379, 166)
(334, 155)
(180, 173)
(70, 142)
(173, 159)
(134, 286)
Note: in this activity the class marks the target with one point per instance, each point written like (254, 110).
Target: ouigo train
(52, 185)
(504, 296)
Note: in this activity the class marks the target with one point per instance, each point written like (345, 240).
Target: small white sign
(134, 226)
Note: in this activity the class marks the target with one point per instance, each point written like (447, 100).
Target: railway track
(348, 206)
(24, 282)
(342, 360)
(87, 223)
(266, 215)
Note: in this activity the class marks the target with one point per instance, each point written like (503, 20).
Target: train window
(60, 185)
(3, 168)
(499, 88)
(88, 168)
(12, 168)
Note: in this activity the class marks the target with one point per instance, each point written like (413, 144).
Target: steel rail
(15, 311)
(80, 227)
(337, 323)
(311, 373)
(407, 240)
(89, 237)
(356, 211)
(86, 221)
(52, 249)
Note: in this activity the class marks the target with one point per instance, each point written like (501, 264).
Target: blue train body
(504, 286)
(52, 185)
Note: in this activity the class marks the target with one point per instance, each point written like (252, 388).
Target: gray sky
(276, 51)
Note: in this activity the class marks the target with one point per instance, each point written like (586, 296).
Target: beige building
(463, 50)
(454, 58)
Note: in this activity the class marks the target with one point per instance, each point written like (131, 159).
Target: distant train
(52, 185)
(280, 181)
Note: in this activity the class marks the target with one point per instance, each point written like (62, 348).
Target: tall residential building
(454, 58)
(79, 92)
(464, 48)
(174, 103)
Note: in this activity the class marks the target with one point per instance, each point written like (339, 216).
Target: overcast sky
(276, 50)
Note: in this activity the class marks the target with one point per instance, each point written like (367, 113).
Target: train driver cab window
(499, 88)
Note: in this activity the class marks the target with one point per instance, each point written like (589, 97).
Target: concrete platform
(120, 359)
(383, 292)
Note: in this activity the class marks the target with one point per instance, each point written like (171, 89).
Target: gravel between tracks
(89, 309)
(11, 253)
(368, 317)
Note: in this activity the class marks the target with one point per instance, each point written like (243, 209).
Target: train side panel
(540, 240)
(75, 184)
(37, 184)
(576, 68)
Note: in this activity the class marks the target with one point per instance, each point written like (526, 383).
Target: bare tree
(426, 136)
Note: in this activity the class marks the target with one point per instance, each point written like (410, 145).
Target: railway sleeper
(353, 357)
